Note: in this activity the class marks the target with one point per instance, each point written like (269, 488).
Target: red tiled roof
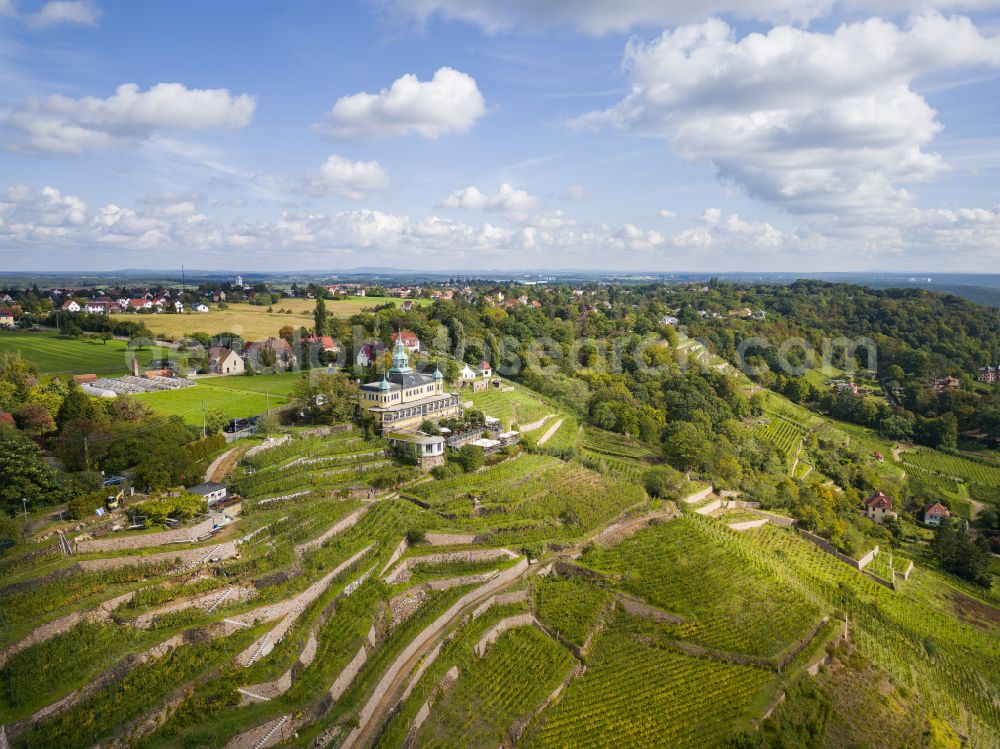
(408, 337)
(937, 509)
(878, 499)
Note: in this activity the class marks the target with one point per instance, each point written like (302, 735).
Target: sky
(463, 135)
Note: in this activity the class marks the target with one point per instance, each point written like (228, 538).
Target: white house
(485, 370)
(211, 491)
(70, 306)
(369, 353)
(668, 320)
(178, 306)
(467, 373)
(224, 361)
(935, 513)
(201, 308)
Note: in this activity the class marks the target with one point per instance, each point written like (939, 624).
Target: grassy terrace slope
(51, 353)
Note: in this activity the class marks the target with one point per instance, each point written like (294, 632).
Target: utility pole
(25, 503)
(204, 432)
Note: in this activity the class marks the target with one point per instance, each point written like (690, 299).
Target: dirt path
(225, 464)
(552, 430)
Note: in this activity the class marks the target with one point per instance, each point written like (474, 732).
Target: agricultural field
(51, 353)
(254, 322)
(236, 397)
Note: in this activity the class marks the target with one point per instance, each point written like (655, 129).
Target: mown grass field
(51, 353)
(236, 397)
(253, 322)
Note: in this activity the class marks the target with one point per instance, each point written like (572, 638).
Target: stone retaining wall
(858, 564)
(189, 557)
(125, 540)
(346, 677)
(471, 555)
(432, 630)
(493, 633)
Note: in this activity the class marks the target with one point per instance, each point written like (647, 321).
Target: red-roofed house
(325, 342)
(878, 507)
(409, 339)
(70, 306)
(935, 513)
(6, 318)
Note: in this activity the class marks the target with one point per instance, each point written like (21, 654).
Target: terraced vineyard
(951, 466)
(490, 695)
(638, 695)
(303, 630)
(530, 497)
(785, 435)
(726, 604)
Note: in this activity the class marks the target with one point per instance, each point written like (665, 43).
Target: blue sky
(654, 135)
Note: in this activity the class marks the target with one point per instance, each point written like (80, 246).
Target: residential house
(135, 305)
(201, 308)
(407, 306)
(101, 307)
(6, 298)
(409, 339)
(467, 372)
(668, 320)
(945, 383)
(225, 361)
(879, 457)
(211, 491)
(6, 318)
(70, 306)
(989, 374)
(178, 306)
(403, 399)
(485, 370)
(878, 507)
(935, 513)
(323, 342)
(284, 354)
(370, 353)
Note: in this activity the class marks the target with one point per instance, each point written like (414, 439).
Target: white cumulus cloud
(811, 121)
(597, 17)
(448, 103)
(60, 124)
(346, 178)
(80, 12)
